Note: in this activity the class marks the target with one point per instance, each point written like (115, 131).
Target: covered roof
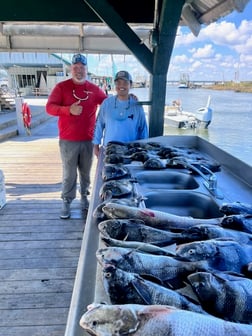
(144, 28)
(93, 26)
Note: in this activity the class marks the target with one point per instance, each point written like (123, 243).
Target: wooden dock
(39, 251)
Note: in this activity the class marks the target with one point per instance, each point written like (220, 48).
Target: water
(231, 126)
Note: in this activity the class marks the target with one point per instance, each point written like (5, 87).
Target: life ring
(26, 112)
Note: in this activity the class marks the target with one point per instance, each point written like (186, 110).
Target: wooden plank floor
(38, 251)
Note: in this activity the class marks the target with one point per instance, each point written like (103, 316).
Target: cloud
(180, 59)
(204, 52)
(219, 51)
(220, 46)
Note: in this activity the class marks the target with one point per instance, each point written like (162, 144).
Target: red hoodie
(75, 128)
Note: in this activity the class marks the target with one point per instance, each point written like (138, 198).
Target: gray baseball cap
(123, 75)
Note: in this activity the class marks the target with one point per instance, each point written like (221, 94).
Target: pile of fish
(155, 156)
(164, 274)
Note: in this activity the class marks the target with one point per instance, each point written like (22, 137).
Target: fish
(242, 222)
(136, 230)
(165, 152)
(158, 219)
(149, 146)
(223, 255)
(130, 201)
(140, 156)
(117, 158)
(116, 188)
(144, 247)
(126, 287)
(115, 148)
(208, 231)
(165, 270)
(226, 296)
(133, 150)
(236, 208)
(155, 163)
(199, 162)
(159, 320)
(114, 172)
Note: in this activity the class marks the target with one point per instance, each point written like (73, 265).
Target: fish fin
(107, 195)
(171, 248)
(106, 240)
(152, 278)
(125, 238)
(225, 239)
(142, 290)
(188, 292)
(154, 310)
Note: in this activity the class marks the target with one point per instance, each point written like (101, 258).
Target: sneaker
(65, 210)
(84, 203)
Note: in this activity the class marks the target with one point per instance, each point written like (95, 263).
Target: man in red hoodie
(75, 101)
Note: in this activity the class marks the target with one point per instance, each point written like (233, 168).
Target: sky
(221, 52)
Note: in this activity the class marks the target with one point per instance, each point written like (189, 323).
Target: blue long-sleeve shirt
(120, 120)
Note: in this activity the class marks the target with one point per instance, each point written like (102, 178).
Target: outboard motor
(204, 114)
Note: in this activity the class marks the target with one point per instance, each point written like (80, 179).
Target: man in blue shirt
(121, 117)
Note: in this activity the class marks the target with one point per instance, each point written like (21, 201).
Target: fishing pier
(39, 251)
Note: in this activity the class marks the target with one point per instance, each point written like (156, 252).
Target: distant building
(27, 72)
(37, 73)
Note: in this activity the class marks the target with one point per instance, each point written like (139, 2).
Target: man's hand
(76, 109)
(96, 150)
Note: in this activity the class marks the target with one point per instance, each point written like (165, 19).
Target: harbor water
(231, 126)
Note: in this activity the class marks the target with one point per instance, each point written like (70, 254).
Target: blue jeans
(76, 157)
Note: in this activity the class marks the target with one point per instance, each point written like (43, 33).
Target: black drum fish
(224, 295)
(155, 163)
(136, 230)
(165, 270)
(125, 287)
(223, 255)
(117, 188)
(238, 222)
(236, 208)
(207, 231)
(114, 172)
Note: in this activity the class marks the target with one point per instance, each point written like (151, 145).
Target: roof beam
(190, 19)
(108, 15)
(167, 24)
(223, 7)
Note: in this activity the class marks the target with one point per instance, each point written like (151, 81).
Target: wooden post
(20, 124)
(2, 190)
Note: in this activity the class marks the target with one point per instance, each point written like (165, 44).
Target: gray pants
(76, 158)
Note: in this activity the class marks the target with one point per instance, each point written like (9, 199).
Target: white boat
(184, 81)
(183, 86)
(176, 116)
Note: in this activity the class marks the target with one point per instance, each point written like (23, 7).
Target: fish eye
(107, 275)
(94, 323)
(191, 251)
